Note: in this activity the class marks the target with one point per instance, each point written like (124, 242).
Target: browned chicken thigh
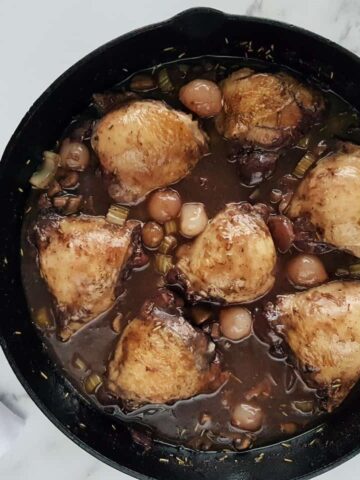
(145, 145)
(265, 110)
(81, 259)
(233, 260)
(322, 328)
(328, 197)
(161, 357)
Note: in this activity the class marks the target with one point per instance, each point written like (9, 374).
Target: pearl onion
(193, 219)
(235, 323)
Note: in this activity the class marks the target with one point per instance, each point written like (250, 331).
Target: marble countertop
(38, 41)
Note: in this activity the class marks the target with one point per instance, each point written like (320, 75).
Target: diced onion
(43, 177)
(165, 83)
(117, 214)
(142, 83)
(304, 164)
(163, 263)
(170, 227)
(304, 142)
(79, 363)
(354, 269)
(92, 383)
(168, 244)
(42, 318)
(304, 406)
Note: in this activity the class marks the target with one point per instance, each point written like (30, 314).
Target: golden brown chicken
(322, 328)
(264, 109)
(144, 145)
(233, 260)
(161, 357)
(329, 196)
(81, 259)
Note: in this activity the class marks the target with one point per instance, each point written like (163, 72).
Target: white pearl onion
(193, 219)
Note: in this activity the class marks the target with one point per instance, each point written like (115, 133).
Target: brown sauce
(215, 182)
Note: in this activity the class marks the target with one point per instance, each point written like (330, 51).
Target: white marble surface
(39, 39)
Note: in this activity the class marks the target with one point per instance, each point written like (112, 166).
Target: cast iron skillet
(197, 31)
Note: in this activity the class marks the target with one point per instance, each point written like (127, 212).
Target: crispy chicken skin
(266, 110)
(329, 196)
(233, 260)
(161, 357)
(81, 259)
(322, 328)
(145, 145)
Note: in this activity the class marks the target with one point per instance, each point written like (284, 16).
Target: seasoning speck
(66, 395)
(17, 332)
(125, 70)
(82, 425)
(27, 162)
(313, 442)
(226, 41)
(286, 445)
(163, 460)
(169, 49)
(288, 460)
(44, 375)
(20, 190)
(113, 427)
(182, 55)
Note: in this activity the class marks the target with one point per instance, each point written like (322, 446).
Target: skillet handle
(199, 22)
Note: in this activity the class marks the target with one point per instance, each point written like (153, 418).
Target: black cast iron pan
(197, 32)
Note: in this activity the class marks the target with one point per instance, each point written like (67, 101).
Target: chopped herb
(259, 458)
